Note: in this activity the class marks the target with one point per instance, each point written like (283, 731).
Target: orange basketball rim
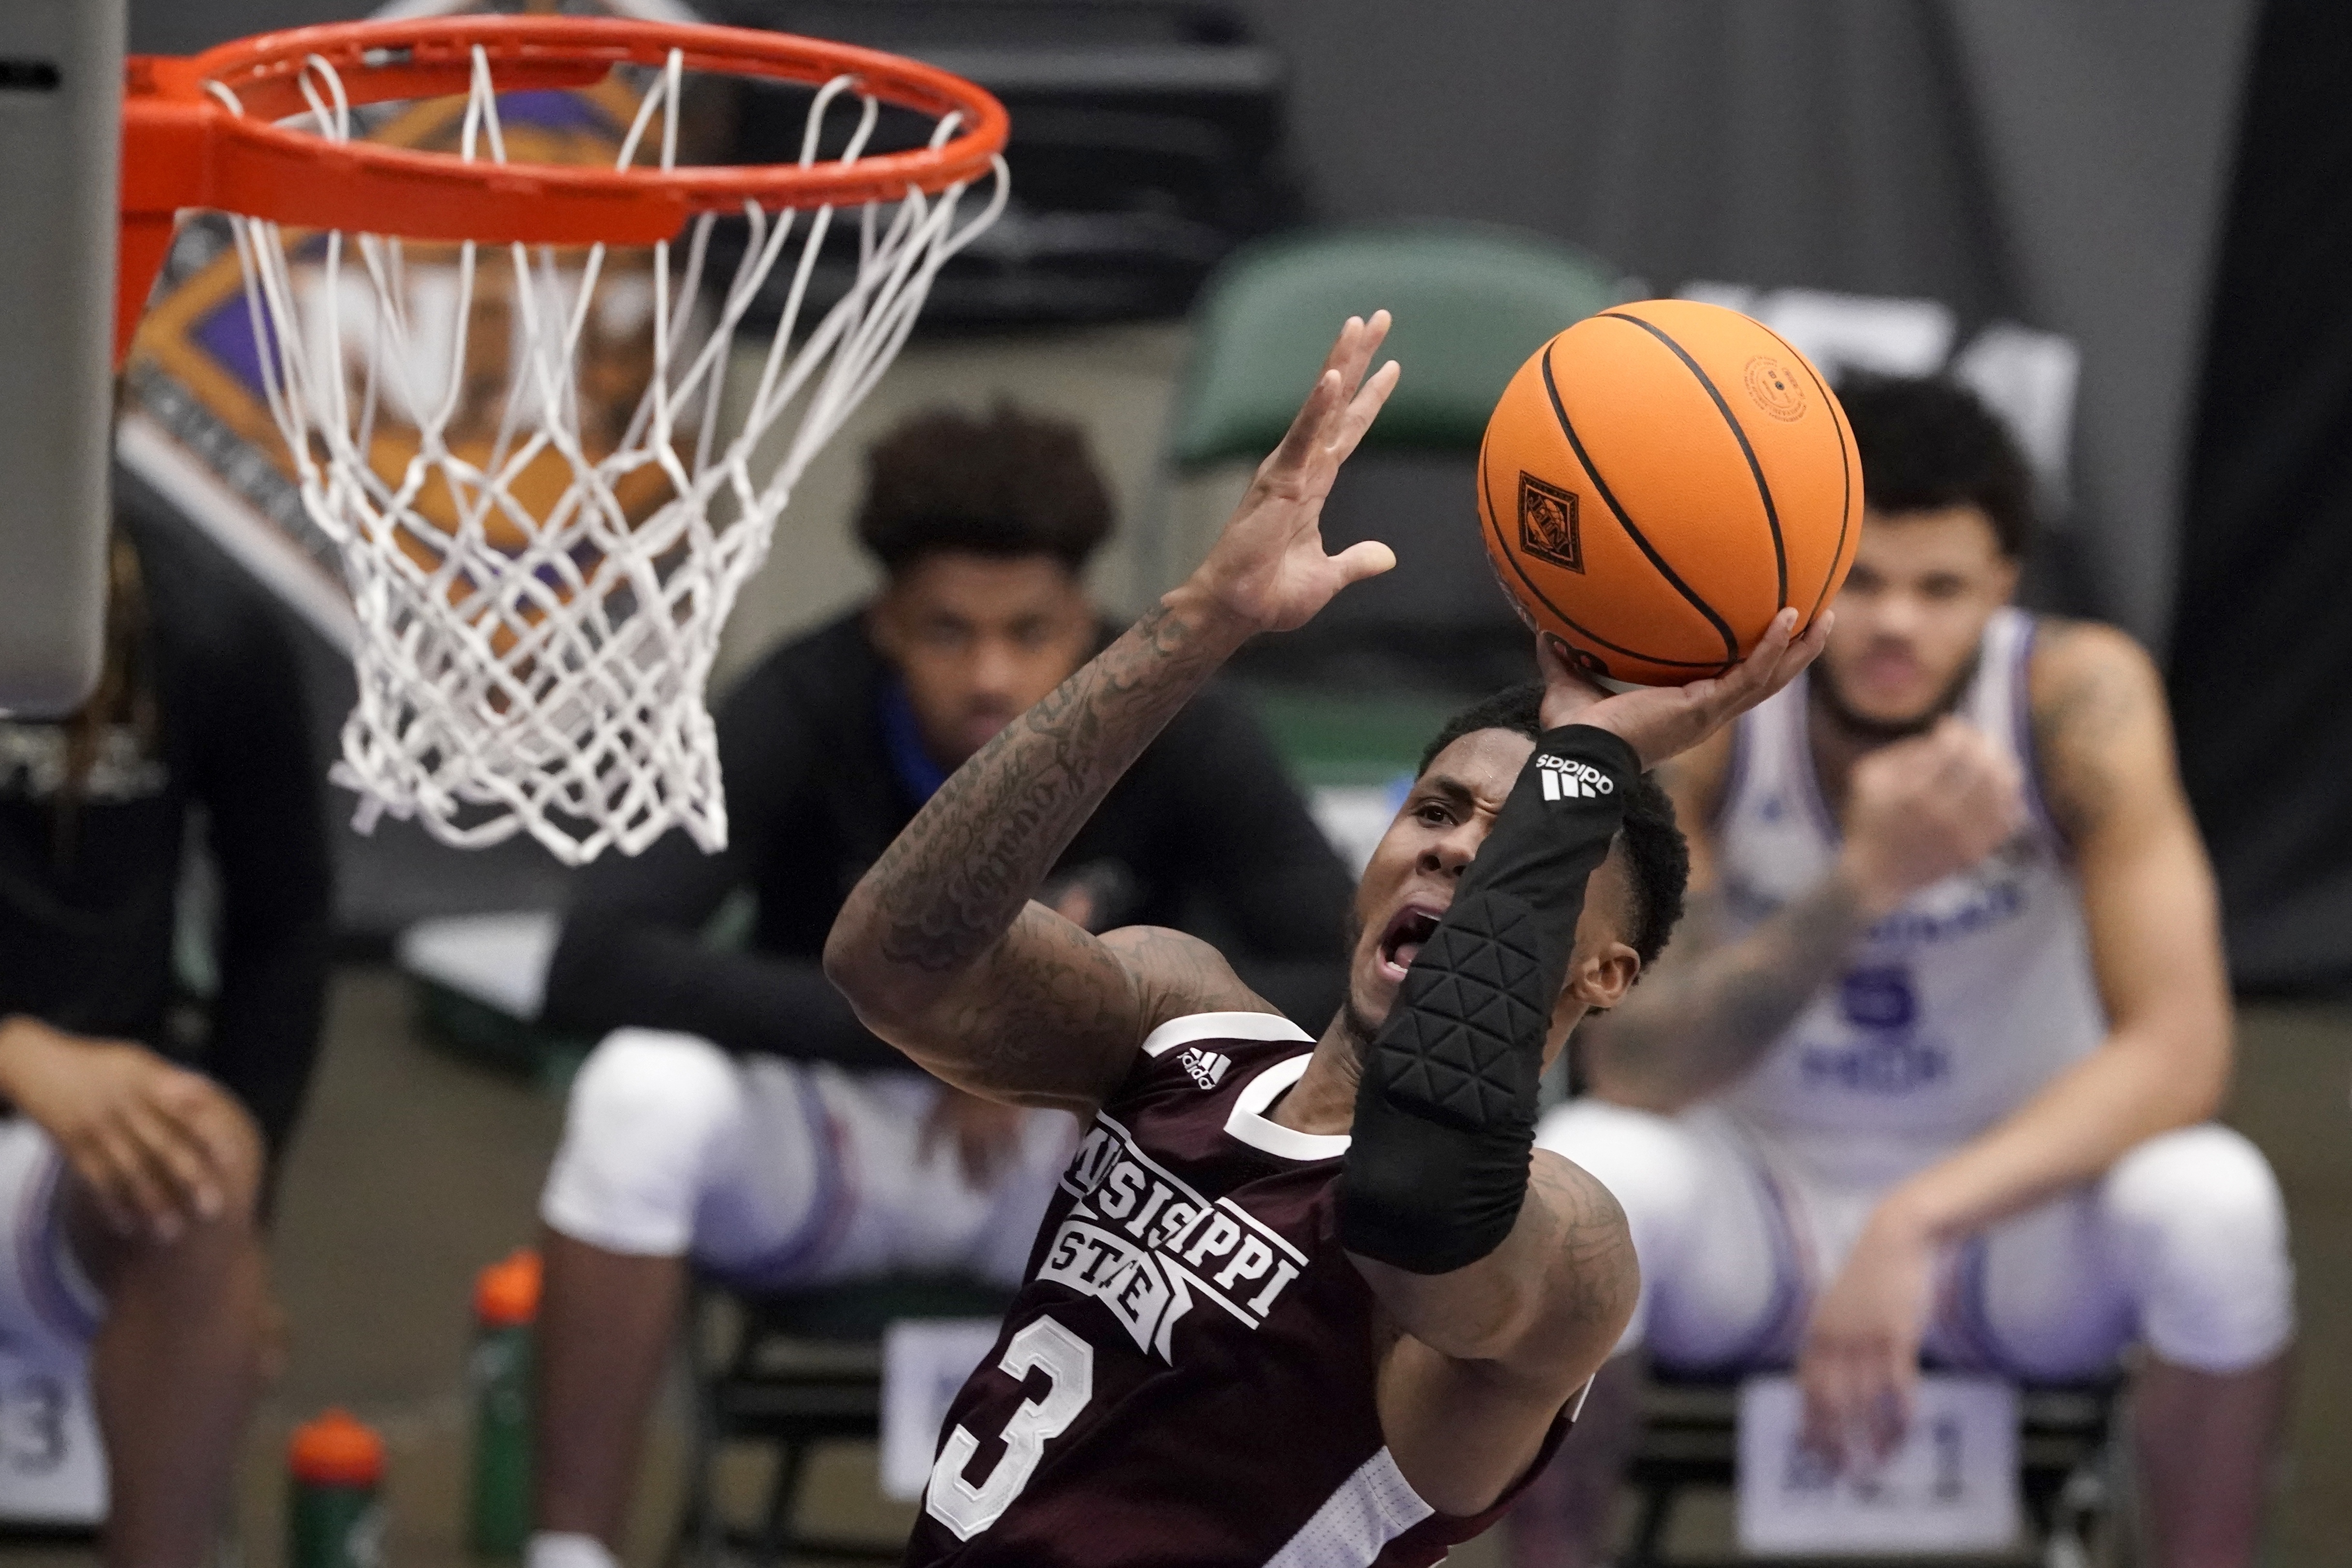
(204, 132)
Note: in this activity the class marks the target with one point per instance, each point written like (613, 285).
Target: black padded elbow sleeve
(1445, 1111)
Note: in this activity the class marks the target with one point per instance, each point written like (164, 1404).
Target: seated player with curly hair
(737, 1114)
(1926, 1078)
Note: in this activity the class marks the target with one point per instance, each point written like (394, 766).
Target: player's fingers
(94, 1175)
(1556, 662)
(1343, 348)
(200, 1109)
(1306, 432)
(1826, 1413)
(1889, 1411)
(1367, 557)
(1753, 679)
(1363, 409)
(1806, 648)
(180, 1157)
(1359, 341)
(1375, 333)
(139, 1190)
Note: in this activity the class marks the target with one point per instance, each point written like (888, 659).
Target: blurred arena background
(2123, 221)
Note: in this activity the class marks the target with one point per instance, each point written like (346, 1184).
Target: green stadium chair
(1471, 303)
(792, 1371)
(1370, 679)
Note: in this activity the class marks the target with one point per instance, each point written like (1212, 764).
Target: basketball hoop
(540, 593)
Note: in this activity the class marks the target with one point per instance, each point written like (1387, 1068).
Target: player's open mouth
(1401, 943)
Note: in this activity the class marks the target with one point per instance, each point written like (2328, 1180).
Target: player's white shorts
(2181, 1245)
(774, 1173)
(49, 1311)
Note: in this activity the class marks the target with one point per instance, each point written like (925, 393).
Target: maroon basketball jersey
(1186, 1378)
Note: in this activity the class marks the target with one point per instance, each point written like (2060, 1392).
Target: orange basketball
(1659, 481)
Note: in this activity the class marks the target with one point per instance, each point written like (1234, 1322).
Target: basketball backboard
(60, 139)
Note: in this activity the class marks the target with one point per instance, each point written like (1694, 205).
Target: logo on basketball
(1547, 523)
(1774, 387)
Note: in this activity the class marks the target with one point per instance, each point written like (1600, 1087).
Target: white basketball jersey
(1958, 1006)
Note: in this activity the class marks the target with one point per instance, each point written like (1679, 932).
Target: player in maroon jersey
(1299, 1301)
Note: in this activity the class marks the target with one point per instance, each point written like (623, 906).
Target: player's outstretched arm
(940, 947)
(1509, 1271)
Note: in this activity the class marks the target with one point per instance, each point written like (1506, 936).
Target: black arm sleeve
(256, 771)
(1445, 1110)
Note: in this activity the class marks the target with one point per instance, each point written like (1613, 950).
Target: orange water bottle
(334, 1516)
(506, 1304)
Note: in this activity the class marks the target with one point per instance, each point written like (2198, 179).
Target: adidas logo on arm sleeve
(1566, 779)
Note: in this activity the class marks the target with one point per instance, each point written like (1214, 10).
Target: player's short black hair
(1006, 483)
(1928, 442)
(1657, 855)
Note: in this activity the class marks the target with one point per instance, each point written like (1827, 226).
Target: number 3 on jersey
(1044, 1345)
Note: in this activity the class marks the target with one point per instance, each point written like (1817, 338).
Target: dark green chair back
(1471, 303)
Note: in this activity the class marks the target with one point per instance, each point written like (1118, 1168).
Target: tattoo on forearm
(2075, 730)
(1699, 1025)
(1585, 1234)
(958, 880)
(953, 882)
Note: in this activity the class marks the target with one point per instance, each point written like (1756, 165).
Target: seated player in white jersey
(1927, 1074)
(736, 1114)
(1297, 1301)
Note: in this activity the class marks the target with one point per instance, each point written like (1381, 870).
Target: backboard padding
(60, 140)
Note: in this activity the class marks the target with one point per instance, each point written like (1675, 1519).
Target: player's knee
(243, 1162)
(645, 1110)
(1649, 1166)
(1644, 1159)
(2201, 1227)
(238, 1157)
(654, 1087)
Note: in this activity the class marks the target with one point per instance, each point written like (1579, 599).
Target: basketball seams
(1502, 551)
(1846, 472)
(1738, 434)
(1657, 562)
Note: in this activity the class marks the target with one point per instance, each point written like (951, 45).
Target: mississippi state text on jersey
(1186, 1377)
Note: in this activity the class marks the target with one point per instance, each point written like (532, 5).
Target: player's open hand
(1923, 808)
(1268, 569)
(156, 1146)
(1859, 1366)
(1661, 721)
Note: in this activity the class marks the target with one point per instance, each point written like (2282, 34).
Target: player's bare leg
(176, 1368)
(604, 1329)
(2206, 1443)
(1565, 1517)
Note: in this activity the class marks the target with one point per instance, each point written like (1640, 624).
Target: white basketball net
(540, 593)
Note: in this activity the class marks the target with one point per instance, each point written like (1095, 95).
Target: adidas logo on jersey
(1206, 1067)
(1566, 780)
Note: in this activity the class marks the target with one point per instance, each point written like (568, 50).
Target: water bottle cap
(506, 1294)
(336, 1451)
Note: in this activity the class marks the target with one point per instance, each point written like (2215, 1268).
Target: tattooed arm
(2104, 744)
(1463, 1421)
(940, 948)
(1915, 812)
(2104, 748)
